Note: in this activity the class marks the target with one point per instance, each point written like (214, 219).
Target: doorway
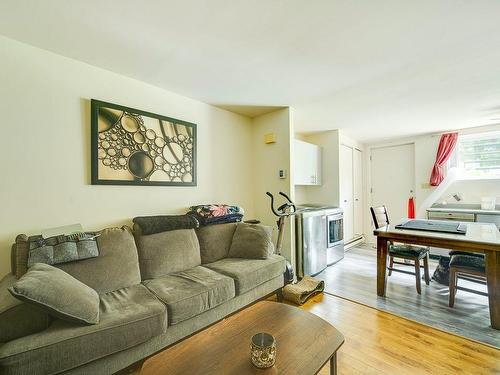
(392, 171)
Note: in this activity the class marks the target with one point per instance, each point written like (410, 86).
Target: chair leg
(391, 264)
(453, 285)
(417, 275)
(426, 269)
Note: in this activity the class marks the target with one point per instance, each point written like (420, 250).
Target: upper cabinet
(307, 169)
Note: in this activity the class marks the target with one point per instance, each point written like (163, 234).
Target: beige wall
(268, 160)
(45, 153)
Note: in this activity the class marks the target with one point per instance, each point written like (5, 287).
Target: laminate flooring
(354, 278)
(379, 343)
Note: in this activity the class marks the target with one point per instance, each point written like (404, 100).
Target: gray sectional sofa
(154, 290)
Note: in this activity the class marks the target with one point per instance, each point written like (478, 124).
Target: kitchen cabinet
(464, 212)
(307, 169)
(351, 191)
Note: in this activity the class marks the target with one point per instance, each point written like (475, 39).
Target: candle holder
(263, 350)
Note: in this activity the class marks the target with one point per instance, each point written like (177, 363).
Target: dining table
(478, 238)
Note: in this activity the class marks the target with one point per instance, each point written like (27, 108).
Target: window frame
(454, 161)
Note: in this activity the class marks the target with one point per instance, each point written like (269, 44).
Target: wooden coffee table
(305, 343)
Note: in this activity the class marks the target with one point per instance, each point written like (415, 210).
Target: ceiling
(377, 69)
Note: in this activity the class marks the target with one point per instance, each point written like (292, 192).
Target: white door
(358, 191)
(346, 191)
(392, 179)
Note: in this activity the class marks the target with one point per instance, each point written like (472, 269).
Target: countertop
(463, 208)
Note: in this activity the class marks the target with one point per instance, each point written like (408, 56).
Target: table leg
(381, 266)
(333, 364)
(493, 281)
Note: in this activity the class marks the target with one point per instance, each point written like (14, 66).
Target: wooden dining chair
(403, 251)
(466, 266)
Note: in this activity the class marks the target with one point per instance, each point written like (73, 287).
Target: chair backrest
(380, 216)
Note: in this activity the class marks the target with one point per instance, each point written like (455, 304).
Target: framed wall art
(134, 147)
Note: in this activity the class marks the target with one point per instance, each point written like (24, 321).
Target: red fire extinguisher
(411, 206)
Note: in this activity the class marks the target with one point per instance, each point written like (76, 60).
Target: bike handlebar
(286, 205)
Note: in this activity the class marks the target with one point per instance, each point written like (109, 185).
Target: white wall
(45, 153)
(268, 159)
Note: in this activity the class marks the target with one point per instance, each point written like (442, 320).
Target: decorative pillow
(215, 241)
(164, 223)
(60, 294)
(251, 241)
(62, 249)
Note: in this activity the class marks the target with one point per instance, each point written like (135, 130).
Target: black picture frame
(97, 151)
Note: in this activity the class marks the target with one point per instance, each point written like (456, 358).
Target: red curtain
(446, 146)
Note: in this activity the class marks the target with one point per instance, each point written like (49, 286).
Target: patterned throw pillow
(62, 249)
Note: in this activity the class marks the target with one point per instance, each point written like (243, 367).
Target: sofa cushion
(215, 241)
(251, 241)
(249, 273)
(128, 317)
(116, 267)
(18, 319)
(167, 252)
(190, 292)
(57, 292)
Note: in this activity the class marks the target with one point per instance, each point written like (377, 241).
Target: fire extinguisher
(411, 206)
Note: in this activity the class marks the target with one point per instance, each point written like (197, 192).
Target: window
(478, 155)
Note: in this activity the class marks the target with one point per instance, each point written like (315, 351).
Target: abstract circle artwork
(133, 147)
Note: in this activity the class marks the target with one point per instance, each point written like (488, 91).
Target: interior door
(393, 178)
(346, 190)
(358, 191)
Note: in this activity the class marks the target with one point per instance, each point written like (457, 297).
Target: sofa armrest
(18, 319)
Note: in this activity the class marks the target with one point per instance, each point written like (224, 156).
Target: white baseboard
(354, 242)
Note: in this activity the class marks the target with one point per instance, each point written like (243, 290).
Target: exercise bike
(283, 212)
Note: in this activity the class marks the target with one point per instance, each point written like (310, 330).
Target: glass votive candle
(263, 350)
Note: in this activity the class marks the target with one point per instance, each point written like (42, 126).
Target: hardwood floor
(377, 342)
(354, 278)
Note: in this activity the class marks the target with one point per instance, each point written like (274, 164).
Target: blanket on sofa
(208, 214)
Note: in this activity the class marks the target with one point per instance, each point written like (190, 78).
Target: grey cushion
(407, 250)
(474, 263)
(116, 267)
(251, 241)
(129, 317)
(190, 292)
(62, 295)
(167, 252)
(215, 241)
(18, 319)
(249, 273)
